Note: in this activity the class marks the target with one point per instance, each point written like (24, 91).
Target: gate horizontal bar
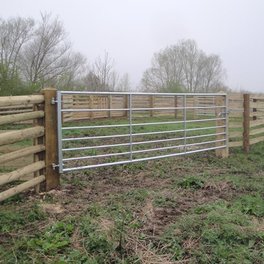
(138, 109)
(175, 139)
(143, 124)
(178, 146)
(143, 150)
(139, 93)
(141, 134)
(142, 142)
(141, 159)
(98, 156)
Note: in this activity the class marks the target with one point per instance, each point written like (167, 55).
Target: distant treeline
(38, 53)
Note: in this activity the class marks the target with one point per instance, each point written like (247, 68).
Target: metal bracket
(54, 100)
(54, 166)
(224, 113)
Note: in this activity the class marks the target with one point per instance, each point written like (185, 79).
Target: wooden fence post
(51, 142)
(246, 122)
(222, 152)
(254, 109)
(126, 101)
(152, 103)
(109, 105)
(91, 114)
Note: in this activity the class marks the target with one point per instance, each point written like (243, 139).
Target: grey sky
(132, 30)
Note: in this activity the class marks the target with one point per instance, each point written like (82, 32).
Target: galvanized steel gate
(97, 129)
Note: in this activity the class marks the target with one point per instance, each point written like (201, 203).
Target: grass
(215, 233)
(193, 209)
(189, 209)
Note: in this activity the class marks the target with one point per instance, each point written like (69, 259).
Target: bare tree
(166, 71)
(213, 73)
(48, 57)
(124, 84)
(191, 59)
(71, 77)
(90, 81)
(183, 67)
(101, 75)
(14, 34)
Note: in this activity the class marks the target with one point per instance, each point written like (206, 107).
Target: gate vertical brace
(130, 127)
(59, 131)
(184, 120)
(221, 104)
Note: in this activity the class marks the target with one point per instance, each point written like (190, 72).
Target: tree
(48, 57)
(124, 84)
(165, 71)
(213, 73)
(14, 34)
(91, 82)
(183, 67)
(70, 79)
(101, 75)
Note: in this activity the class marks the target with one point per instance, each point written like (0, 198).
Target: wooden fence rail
(30, 145)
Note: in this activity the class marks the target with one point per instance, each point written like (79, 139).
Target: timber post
(51, 142)
(246, 123)
(109, 105)
(152, 103)
(175, 105)
(254, 109)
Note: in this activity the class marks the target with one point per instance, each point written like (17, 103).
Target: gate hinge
(54, 166)
(54, 100)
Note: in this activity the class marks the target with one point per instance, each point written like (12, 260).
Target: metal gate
(97, 129)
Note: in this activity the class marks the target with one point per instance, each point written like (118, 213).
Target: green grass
(216, 233)
(195, 209)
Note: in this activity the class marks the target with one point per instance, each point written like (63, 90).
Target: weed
(191, 182)
(215, 233)
(13, 220)
(164, 201)
(249, 204)
(53, 240)
(94, 240)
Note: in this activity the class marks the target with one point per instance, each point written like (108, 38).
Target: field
(189, 209)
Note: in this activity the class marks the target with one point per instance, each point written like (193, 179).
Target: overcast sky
(132, 30)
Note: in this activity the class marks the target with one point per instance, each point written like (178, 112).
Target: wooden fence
(246, 120)
(26, 150)
(28, 136)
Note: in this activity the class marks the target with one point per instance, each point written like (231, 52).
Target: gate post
(51, 143)
(246, 123)
(221, 101)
